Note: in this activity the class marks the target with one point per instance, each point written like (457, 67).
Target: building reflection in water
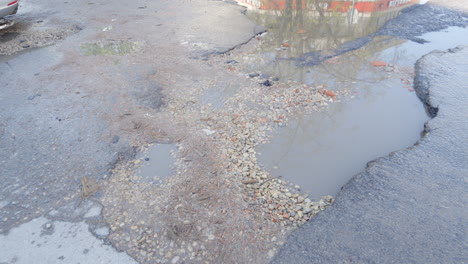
(322, 25)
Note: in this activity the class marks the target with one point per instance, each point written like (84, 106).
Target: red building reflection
(361, 6)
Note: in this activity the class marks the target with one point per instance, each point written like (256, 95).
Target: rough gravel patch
(219, 198)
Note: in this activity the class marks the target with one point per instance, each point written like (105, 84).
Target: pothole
(156, 164)
(219, 199)
(378, 110)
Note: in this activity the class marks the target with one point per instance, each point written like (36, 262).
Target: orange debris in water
(330, 93)
(379, 63)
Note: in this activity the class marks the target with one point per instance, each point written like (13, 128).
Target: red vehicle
(7, 7)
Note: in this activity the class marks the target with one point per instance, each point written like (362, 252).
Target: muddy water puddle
(321, 151)
(377, 112)
(156, 164)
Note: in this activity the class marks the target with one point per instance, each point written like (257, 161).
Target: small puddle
(379, 111)
(156, 163)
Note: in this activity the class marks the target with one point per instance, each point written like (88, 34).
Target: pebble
(208, 132)
(322, 203)
(175, 259)
(271, 253)
(300, 214)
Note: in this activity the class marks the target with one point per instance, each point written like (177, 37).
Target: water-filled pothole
(321, 151)
(379, 111)
(156, 163)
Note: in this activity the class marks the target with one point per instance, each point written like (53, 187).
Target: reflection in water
(321, 25)
(322, 151)
(332, 43)
(305, 33)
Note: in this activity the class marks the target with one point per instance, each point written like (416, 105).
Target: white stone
(208, 132)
